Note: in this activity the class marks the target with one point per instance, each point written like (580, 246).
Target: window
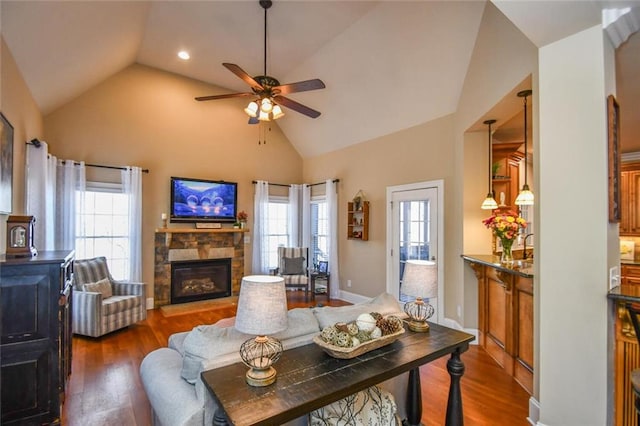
(319, 232)
(102, 226)
(278, 229)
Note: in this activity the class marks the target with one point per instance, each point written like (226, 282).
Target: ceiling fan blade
(296, 106)
(243, 75)
(300, 86)
(227, 96)
(253, 120)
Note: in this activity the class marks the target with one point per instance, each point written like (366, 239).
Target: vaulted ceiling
(387, 65)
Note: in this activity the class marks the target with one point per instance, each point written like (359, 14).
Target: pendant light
(525, 197)
(489, 203)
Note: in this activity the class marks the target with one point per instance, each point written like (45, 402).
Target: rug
(199, 306)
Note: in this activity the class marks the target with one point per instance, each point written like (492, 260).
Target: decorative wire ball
(419, 310)
(260, 353)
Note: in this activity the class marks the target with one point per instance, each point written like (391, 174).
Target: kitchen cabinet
(358, 221)
(630, 199)
(505, 315)
(35, 296)
(506, 173)
(630, 274)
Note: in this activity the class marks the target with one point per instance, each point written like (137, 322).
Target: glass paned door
(414, 235)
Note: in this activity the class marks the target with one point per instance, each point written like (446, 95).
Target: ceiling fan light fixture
(252, 109)
(277, 112)
(266, 105)
(263, 116)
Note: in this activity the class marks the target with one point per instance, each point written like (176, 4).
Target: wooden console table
(309, 379)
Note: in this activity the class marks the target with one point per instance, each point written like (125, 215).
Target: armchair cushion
(103, 287)
(87, 271)
(294, 266)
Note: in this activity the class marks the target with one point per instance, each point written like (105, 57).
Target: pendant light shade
(525, 197)
(489, 203)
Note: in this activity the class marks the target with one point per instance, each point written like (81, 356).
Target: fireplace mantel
(196, 230)
(170, 231)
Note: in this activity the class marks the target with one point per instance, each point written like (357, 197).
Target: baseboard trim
(352, 297)
(534, 412)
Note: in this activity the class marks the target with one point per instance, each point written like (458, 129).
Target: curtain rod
(36, 143)
(100, 166)
(288, 185)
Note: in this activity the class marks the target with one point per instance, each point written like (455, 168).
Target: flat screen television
(199, 200)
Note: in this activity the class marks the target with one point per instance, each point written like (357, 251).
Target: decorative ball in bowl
(368, 332)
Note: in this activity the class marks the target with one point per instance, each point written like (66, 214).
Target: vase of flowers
(241, 219)
(506, 226)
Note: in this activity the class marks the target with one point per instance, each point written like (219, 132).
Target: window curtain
(70, 187)
(305, 239)
(260, 256)
(295, 195)
(41, 189)
(332, 211)
(132, 186)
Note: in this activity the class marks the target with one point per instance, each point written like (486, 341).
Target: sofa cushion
(103, 287)
(206, 342)
(385, 304)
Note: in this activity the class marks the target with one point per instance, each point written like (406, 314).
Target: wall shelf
(358, 221)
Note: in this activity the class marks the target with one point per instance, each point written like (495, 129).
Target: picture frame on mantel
(6, 165)
(613, 136)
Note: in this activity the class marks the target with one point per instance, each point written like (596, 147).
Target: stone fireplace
(174, 246)
(194, 280)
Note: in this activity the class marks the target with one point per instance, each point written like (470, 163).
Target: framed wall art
(6, 164)
(613, 136)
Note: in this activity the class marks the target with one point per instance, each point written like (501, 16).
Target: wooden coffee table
(308, 379)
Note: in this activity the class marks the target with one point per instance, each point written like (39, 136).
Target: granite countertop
(519, 267)
(625, 293)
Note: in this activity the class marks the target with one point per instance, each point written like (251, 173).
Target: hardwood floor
(105, 387)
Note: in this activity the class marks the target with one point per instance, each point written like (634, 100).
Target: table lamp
(420, 279)
(262, 310)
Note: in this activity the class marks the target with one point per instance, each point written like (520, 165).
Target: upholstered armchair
(293, 266)
(100, 303)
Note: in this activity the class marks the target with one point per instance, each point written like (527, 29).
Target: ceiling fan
(267, 90)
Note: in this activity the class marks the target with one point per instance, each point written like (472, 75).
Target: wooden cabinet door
(634, 203)
(624, 203)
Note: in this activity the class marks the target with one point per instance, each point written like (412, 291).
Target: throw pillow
(103, 286)
(293, 266)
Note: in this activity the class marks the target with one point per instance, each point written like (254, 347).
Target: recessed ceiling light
(183, 54)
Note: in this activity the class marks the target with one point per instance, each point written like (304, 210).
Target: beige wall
(20, 109)
(502, 59)
(148, 118)
(420, 153)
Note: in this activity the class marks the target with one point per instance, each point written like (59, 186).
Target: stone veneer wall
(173, 246)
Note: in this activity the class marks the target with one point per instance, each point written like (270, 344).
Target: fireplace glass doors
(200, 280)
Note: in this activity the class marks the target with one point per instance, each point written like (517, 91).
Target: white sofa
(171, 375)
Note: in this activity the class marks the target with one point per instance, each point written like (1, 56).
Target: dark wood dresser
(35, 329)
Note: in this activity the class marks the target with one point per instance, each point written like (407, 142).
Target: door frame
(438, 185)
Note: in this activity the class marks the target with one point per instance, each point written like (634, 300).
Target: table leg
(414, 399)
(455, 367)
(220, 418)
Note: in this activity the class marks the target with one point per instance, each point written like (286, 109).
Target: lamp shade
(420, 279)
(262, 305)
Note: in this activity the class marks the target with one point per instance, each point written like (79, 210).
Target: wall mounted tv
(198, 200)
